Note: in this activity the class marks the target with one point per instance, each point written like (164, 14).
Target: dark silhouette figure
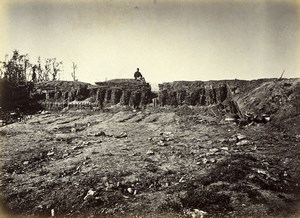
(138, 76)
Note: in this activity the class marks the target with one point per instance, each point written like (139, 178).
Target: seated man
(138, 76)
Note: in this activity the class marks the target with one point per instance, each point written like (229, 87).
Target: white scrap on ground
(195, 213)
(89, 193)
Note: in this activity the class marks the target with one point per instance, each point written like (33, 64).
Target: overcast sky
(167, 40)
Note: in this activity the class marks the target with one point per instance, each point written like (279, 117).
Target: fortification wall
(61, 94)
(197, 93)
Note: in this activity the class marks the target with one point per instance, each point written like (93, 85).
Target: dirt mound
(278, 98)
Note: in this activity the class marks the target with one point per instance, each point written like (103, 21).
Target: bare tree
(56, 67)
(52, 68)
(39, 70)
(3, 67)
(47, 71)
(73, 73)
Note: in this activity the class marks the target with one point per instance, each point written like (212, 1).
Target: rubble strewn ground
(185, 161)
(77, 164)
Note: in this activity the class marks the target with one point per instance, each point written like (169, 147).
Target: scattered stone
(232, 139)
(73, 130)
(244, 142)
(181, 179)
(122, 135)
(240, 137)
(45, 112)
(50, 153)
(161, 143)
(224, 148)
(101, 133)
(196, 213)
(108, 186)
(62, 137)
(266, 173)
(86, 143)
(26, 162)
(130, 190)
(77, 153)
(230, 119)
(125, 149)
(77, 147)
(223, 140)
(204, 160)
(150, 152)
(135, 192)
(52, 212)
(213, 150)
(3, 123)
(212, 160)
(89, 193)
(166, 133)
(65, 155)
(266, 118)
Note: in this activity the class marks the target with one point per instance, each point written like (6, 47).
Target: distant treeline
(18, 69)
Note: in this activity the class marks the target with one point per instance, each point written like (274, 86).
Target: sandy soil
(151, 163)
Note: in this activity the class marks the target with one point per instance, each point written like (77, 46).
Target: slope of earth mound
(62, 85)
(151, 163)
(278, 98)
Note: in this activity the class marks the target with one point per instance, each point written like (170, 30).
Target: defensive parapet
(124, 92)
(197, 93)
(78, 95)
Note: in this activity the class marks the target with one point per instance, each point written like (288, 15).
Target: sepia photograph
(150, 109)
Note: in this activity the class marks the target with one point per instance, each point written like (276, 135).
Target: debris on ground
(150, 152)
(89, 193)
(196, 213)
(177, 159)
(101, 133)
(244, 142)
(121, 135)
